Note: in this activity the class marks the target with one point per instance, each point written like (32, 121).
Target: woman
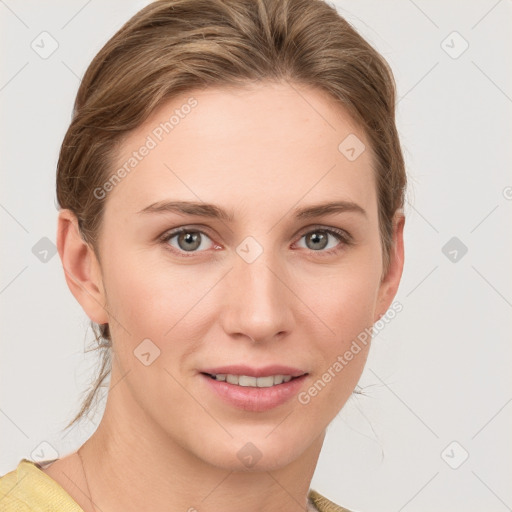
(252, 132)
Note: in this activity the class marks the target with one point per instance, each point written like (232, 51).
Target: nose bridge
(259, 299)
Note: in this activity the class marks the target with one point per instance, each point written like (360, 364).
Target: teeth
(232, 379)
(247, 381)
(263, 382)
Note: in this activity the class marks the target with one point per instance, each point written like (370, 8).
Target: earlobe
(81, 268)
(391, 281)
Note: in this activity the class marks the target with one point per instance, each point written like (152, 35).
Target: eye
(187, 240)
(317, 240)
(190, 240)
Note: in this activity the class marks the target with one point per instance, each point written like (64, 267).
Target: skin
(165, 442)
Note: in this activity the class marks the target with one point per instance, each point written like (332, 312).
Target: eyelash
(341, 235)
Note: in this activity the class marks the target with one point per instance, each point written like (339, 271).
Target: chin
(253, 451)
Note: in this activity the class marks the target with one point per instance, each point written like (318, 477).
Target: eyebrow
(215, 212)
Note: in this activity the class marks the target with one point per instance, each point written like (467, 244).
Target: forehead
(258, 145)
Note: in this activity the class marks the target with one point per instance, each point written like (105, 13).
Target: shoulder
(323, 504)
(27, 489)
(10, 499)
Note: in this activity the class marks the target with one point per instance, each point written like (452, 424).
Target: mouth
(254, 393)
(251, 381)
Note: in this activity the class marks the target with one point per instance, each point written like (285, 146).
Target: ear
(391, 280)
(81, 268)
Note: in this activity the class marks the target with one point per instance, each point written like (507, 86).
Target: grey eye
(188, 240)
(316, 240)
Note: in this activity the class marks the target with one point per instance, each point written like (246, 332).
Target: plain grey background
(433, 431)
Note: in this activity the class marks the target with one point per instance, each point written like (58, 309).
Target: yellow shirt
(29, 489)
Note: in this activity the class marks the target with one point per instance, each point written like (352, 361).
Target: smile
(248, 381)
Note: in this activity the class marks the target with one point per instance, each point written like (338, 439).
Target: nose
(258, 300)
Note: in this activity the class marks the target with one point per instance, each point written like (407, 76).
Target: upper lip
(240, 369)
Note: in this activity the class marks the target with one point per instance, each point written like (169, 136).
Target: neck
(132, 465)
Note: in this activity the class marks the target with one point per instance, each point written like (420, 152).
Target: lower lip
(252, 398)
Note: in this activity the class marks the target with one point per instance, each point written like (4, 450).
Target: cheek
(346, 348)
(348, 312)
(346, 308)
(345, 301)
(146, 297)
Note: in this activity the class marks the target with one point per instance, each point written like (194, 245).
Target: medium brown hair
(174, 46)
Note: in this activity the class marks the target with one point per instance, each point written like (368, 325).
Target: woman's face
(259, 287)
